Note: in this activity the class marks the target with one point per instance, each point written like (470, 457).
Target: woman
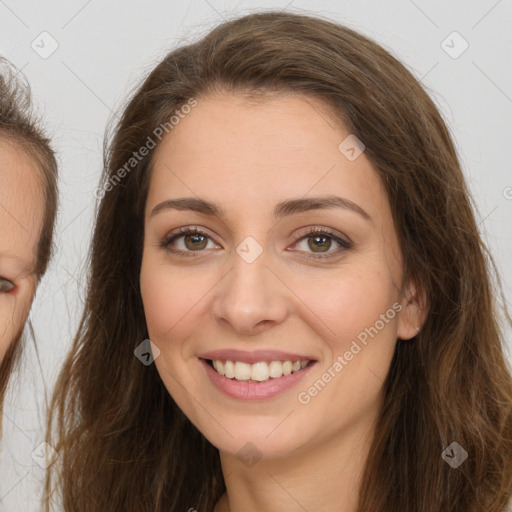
(28, 205)
(284, 216)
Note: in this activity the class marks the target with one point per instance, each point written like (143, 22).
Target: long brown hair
(20, 126)
(125, 445)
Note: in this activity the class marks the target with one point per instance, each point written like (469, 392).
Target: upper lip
(255, 356)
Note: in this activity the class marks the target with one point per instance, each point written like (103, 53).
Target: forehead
(21, 204)
(255, 153)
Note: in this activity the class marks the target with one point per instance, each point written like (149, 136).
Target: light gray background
(104, 47)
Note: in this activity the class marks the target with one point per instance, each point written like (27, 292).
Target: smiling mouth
(257, 372)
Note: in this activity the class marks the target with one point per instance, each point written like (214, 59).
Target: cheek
(172, 297)
(7, 327)
(359, 330)
(14, 311)
(348, 304)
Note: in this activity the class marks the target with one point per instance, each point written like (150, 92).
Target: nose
(250, 298)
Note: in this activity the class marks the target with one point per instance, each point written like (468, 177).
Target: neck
(322, 477)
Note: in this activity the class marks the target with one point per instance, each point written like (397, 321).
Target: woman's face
(21, 217)
(275, 274)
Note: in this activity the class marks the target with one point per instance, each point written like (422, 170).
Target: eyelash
(344, 244)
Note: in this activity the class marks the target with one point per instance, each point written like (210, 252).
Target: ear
(413, 313)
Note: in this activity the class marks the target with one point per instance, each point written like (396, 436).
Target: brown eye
(195, 241)
(319, 243)
(188, 242)
(5, 285)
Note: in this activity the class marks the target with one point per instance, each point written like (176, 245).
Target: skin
(249, 156)
(21, 221)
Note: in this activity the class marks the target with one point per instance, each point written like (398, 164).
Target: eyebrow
(281, 210)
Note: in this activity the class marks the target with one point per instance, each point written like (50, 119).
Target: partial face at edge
(21, 220)
(323, 275)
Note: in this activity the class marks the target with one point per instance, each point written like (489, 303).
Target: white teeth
(242, 371)
(260, 371)
(275, 369)
(217, 364)
(229, 369)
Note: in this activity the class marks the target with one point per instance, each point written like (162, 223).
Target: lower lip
(250, 390)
